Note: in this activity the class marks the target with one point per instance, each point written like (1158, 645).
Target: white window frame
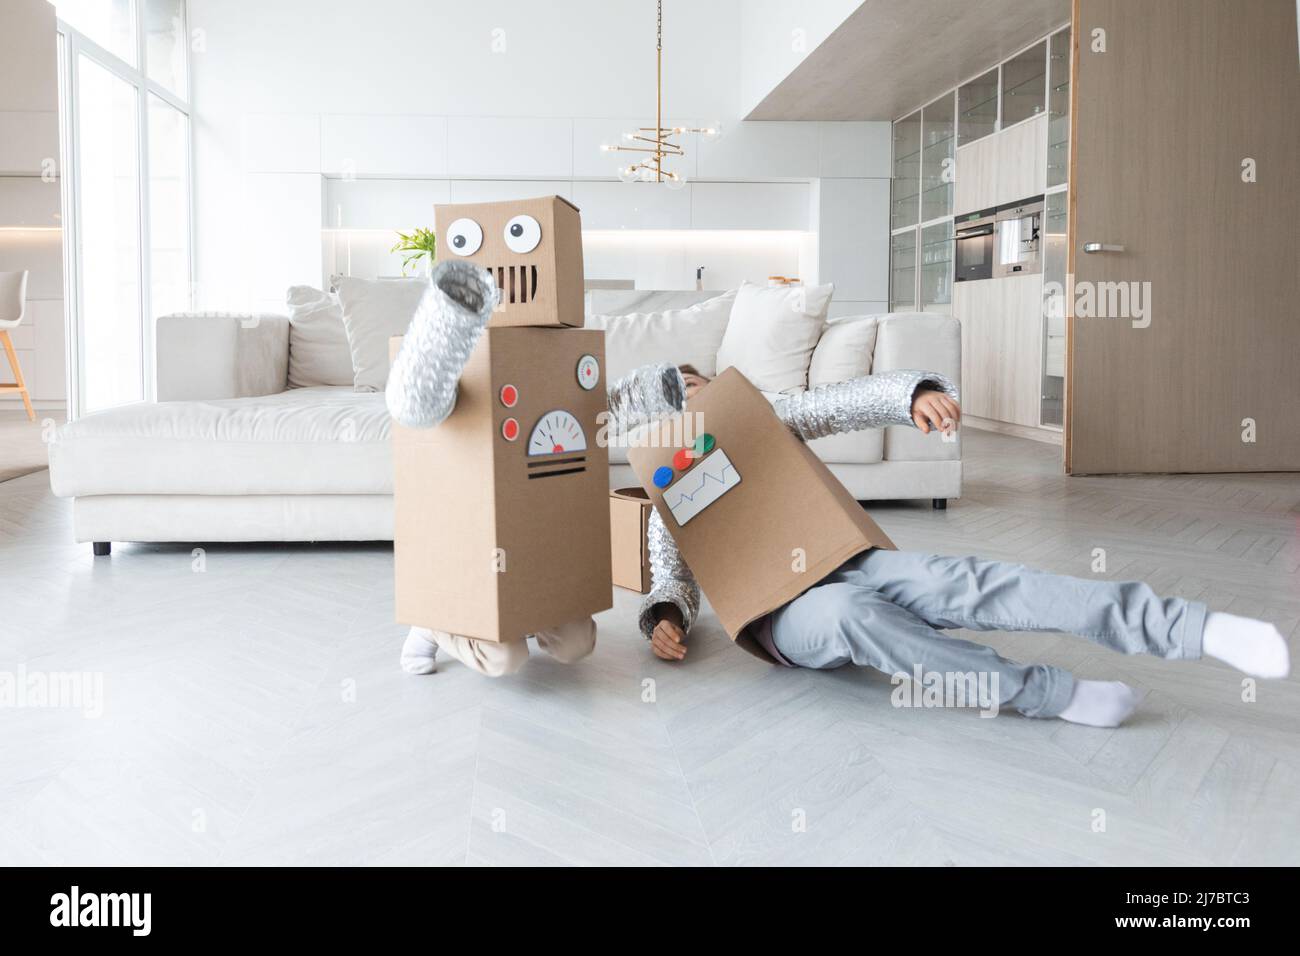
(75, 45)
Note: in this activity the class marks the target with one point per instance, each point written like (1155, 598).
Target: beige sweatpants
(567, 643)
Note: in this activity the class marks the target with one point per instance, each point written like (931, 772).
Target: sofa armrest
(211, 356)
(932, 343)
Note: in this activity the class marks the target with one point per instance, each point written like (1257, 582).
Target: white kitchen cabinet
(376, 145)
(1001, 347)
(976, 185)
(383, 203)
(486, 147)
(619, 205)
(748, 205)
(1021, 161)
(1005, 167)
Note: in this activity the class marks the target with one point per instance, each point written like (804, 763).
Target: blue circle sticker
(663, 476)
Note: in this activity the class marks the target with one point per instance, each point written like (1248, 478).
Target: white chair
(13, 306)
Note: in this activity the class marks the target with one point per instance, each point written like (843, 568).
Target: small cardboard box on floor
(757, 516)
(629, 551)
(501, 512)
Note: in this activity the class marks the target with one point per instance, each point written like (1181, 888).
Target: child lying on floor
(887, 609)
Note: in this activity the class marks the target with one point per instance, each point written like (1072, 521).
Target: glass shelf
(902, 271)
(1058, 108)
(977, 108)
(1024, 85)
(936, 267)
(905, 186)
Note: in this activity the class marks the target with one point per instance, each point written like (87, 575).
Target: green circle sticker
(704, 444)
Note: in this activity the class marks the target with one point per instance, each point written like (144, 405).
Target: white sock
(1253, 647)
(1100, 703)
(419, 652)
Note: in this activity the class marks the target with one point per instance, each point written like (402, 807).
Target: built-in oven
(1018, 240)
(973, 246)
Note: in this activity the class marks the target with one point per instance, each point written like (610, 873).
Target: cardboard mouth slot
(557, 473)
(556, 461)
(518, 284)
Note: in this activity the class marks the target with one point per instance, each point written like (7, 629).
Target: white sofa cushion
(319, 353)
(680, 336)
(844, 350)
(772, 333)
(302, 441)
(919, 340)
(373, 312)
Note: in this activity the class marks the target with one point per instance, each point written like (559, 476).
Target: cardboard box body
(497, 538)
(540, 287)
(759, 518)
(629, 549)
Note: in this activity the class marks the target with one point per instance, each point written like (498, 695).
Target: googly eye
(523, 233)
(464, 237)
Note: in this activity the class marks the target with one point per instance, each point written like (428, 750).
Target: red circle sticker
(509, 396)
(682, 460)
(510, 429)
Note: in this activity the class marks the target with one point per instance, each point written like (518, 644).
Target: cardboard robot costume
(754, 513)
(500, 489)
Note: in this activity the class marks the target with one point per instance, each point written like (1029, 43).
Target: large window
(126, 123)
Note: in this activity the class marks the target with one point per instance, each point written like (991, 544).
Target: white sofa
(230, 453)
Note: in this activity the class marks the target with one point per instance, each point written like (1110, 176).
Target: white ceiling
(891, 56)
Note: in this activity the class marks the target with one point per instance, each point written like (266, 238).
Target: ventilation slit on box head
(556, 474)
(533, 283)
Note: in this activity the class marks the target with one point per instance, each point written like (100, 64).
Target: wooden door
(1189, 101)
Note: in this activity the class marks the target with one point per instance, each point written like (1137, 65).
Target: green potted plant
(415, 245)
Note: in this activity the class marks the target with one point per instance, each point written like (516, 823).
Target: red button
(510, 429)
(682, 460)
(509, 396)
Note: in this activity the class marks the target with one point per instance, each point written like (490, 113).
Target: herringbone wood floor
(255, 711)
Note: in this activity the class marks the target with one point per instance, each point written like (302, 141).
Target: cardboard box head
(532, 246)
(757, 516)
(502, 511)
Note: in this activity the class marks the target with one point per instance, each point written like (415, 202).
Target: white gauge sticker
(588, 372)
(706, 482)
(557, 431)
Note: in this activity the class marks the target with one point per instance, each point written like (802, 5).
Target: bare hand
(935, 410)
(668, 641)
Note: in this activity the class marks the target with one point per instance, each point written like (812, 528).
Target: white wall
(776, 36)
(354, 118)
(31, 237)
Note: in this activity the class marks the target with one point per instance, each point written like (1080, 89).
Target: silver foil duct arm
(644, 395)
(640, 397)
(671, 580)
(872, 401)
(450, 318)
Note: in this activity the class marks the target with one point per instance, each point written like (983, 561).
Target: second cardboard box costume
(799, 574)
(501, 510)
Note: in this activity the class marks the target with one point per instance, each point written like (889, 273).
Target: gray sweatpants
(885, 609)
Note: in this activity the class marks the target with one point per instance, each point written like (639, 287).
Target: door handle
(1091, 247)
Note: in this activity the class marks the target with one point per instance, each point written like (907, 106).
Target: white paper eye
(464, 237)
(523, 233)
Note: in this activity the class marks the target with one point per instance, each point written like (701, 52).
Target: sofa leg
(102, 548)
(939, 504)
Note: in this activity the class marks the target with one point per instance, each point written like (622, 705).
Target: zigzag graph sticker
(709, 480)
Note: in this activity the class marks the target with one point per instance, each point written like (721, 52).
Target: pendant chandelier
(658, 142)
